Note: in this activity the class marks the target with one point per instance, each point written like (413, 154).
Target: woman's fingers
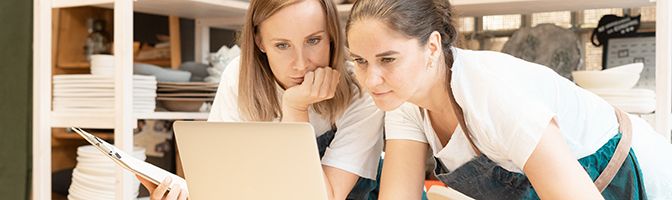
(174, 192)
(308, 79)
(326, 84)
(160, 190)
(183, 194)
(317, 84)
(148, 184)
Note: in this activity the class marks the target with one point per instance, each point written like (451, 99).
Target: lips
(297, 79)
(381, 93)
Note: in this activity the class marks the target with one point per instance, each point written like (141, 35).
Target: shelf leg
(663, 67)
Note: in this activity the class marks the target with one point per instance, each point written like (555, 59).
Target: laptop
(250, 160)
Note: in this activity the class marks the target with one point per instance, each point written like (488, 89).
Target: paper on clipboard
(141, 168)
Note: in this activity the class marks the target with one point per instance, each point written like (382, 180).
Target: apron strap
(460, 117)
(620, 153)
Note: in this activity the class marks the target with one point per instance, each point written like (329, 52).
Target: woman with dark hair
(498, 127)
(292, 68)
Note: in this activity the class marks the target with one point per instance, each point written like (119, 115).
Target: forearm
(403, 172)
(339, 182)
(555, 173)
(294, 114)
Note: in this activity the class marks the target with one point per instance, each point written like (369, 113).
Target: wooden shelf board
(75, 136)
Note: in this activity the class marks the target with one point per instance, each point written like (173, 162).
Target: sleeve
(225, 105)
(405, 123)
(501, 112)
(358, 142)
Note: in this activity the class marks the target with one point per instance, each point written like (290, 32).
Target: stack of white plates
(615, 85)
(102, 65)
(94, 176)
(637, 101)
(85, 93)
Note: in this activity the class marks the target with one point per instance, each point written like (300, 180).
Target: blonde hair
(257, 96)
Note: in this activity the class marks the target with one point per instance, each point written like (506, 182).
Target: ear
(434, 45)
(257, 41)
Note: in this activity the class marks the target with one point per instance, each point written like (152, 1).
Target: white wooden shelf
(194, 9)
(173, 115)
(64, 120)
(499, 7)
(106, 120)
(229, 14)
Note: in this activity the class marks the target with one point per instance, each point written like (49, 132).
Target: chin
(387, 104)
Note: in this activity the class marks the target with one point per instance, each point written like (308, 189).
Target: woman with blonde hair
(292, 68)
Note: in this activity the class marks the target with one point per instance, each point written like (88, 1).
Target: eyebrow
(387, 53)
(312, 34)
(317, 32)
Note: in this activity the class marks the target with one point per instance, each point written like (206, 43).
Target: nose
(373, 77)
(301, 62)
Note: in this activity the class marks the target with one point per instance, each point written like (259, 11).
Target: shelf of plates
(106, 120)
(229, 14)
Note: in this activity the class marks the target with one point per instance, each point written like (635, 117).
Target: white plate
(184, 99)
(636, 108)
(646, 101)
(97, 94)
(96, 171)
(87, 193)
(103, 79)
(624, 93)
(89, 76)
(83, 99)
(186, 94)
(86, 110)
(206, 84)
(85, 102)
(91, 180)
(191, 89)
(80, 89)
(95, 187)
(102, 89)
(85, 85)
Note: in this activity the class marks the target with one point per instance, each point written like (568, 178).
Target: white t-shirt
(508, 103)
(358, 142)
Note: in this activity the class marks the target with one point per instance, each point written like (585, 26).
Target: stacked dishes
(636, 101)
(186, 97)
(94, 175)
(219, 61)
(85, 93)
(102, 65)
(615, 85)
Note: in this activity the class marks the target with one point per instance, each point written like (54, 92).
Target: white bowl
(102, 60)
(605, 79)
(635, 68)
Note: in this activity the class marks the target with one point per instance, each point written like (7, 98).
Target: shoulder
(406, 113)
(361, 105)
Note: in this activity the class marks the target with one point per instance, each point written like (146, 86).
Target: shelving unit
(229, 14)
(63, 120)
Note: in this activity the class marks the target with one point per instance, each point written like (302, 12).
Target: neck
(434, 97)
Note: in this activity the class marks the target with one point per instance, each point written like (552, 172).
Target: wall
(15, 98)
